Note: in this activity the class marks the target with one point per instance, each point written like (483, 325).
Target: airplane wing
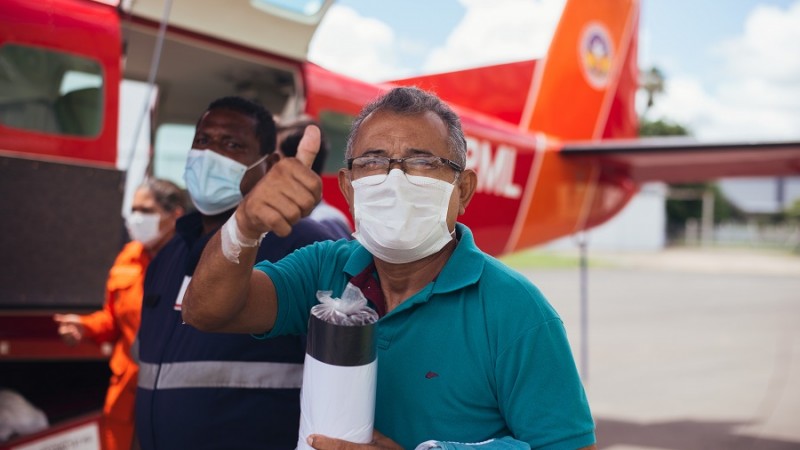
(582, 184)
(677, 160)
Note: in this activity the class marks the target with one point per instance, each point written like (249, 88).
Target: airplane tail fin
(584, 89)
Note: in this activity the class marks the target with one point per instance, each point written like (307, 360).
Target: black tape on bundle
(340, 345)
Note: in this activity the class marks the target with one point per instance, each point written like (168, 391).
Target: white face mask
(143, 227)
(399, 221)
(213, 180)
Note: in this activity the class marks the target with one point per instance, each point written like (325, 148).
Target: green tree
(793, 211)
(683, 208)
(652, 82)
(679, 210)
(661, 127)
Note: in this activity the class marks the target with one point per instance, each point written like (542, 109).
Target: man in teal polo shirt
(469, 351)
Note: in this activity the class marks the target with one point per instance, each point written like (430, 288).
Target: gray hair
(167, 194)
(413, 101)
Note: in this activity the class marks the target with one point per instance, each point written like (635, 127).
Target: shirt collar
(189, 226)
(464, 266)
(358, 260)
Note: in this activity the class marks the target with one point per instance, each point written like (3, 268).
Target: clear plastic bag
(350, 310)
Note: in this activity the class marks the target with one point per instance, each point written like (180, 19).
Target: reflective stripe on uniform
(224, 374)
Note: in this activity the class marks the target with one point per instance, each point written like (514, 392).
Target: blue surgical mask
(213, 180)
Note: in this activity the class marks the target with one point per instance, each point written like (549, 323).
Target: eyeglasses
(423, 165)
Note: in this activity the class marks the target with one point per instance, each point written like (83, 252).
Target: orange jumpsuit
(118, 322)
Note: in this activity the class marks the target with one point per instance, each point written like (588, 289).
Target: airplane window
(75, 80)
(297, 9)
(50, 92)
(336, 126)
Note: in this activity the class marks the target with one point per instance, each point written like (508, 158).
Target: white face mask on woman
(213, 180)
(143, 227)
(403, 218)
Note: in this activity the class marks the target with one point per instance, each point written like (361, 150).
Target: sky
(732, 67)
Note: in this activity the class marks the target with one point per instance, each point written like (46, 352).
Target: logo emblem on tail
(596, 54)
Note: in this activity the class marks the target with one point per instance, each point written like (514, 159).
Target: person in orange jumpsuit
(156, 206)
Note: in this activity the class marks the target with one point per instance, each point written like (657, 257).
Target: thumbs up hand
(309, 145)
(288, 192)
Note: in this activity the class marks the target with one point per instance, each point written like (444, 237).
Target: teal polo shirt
(477, 354)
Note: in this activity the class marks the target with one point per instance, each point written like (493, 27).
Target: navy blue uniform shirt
(214, 390)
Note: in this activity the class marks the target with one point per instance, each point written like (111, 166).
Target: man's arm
(226, 296)
(381, 442)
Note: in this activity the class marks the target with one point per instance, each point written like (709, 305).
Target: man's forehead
(421, 131)
(384, 115)
(227, 120)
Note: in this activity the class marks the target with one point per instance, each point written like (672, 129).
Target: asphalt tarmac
(687, 349)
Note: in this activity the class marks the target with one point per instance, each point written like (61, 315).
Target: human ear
(346, 187)
(467, 183)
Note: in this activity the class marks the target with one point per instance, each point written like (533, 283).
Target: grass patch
(541, 260)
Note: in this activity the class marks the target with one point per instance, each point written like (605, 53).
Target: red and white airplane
(553, 140)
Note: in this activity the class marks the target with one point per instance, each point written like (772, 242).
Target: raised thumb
(309, 145)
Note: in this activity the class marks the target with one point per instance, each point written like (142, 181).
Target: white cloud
(497, 31)
(768, 49)
(491, 31)
(755, 96)
(712, 116)
(757, 92)
(357, 46)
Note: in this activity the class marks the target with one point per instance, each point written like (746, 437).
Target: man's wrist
(233, 240)
(243, 235)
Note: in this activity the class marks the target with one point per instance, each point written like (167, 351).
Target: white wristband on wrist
(233, 240)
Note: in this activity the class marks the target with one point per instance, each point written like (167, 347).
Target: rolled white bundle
(340, 372)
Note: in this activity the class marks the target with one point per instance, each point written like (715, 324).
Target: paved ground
(688, 349)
